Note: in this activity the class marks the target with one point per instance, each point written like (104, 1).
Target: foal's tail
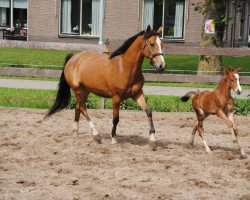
(187, 96)
(63, 94)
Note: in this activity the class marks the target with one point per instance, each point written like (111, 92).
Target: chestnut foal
(218, 102)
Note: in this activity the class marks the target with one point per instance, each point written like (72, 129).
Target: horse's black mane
(128, 42)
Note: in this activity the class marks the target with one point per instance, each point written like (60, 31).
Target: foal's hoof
(97, 138)
(190, 146)
(152, 145)
(243, 154)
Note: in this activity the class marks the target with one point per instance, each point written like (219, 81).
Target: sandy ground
(49, 161)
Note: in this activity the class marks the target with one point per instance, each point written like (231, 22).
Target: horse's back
(89, 69)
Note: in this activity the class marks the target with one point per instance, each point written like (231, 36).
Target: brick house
(93, 21)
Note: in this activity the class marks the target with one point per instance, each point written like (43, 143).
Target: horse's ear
(148, 28)
(159, 31)
(237, 70)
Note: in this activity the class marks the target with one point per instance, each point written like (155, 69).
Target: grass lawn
(37, 58)
(53, 59)
(43, 99)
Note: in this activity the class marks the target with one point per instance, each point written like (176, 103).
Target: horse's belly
(132, 91)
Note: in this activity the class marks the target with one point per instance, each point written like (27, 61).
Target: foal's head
(234, 79)
(153, 48)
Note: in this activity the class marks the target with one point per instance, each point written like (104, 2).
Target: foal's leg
(81, 98)
(229, 120)
(191, 141)
(116, 100)
(201, 133)
(142, 103)
(201, 117)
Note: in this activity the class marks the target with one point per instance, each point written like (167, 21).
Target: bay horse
(118, 77)
(218, 102)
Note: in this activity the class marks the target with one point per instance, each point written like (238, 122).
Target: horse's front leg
(116, 100)
(142, 103)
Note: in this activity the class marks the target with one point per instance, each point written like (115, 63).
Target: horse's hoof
(75, 127)
(152, 145)
(114, 141)
(97, 138)
(190, 146)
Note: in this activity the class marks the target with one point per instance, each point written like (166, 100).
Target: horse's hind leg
(75, 126)
(191, 141)
(142, 103)
(81, 98)
(116, 106)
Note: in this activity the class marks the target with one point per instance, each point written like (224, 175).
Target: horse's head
(152, 49)
(234, 79)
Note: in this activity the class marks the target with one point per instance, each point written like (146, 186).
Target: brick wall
(122, 19)
(43, 20)
(193, 24)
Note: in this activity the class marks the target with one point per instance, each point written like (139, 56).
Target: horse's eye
(152, 44)
(232, 79)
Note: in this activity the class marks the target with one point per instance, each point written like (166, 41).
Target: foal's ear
(159, 31)
(226, 70)
(237, 70)
(148, 29)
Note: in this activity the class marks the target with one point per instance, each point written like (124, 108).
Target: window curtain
(3, 16)
(148, 18)
(4, 4)
(21, 4)
(95, 18)
(66, 16)
(178, 23)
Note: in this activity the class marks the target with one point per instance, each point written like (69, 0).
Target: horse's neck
(224, 88)
(132, 59)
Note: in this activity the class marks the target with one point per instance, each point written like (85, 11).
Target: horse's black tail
(63, 94)
(187, 96)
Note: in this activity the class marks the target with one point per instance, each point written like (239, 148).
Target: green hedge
(43, 99)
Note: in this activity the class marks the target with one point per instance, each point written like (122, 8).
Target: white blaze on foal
(238, 89)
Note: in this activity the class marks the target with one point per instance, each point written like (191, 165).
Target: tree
(212, 10)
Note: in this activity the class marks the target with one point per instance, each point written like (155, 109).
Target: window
(168, 14)
(80, 17)
(20, 13)
(14, 11)
(4, 13)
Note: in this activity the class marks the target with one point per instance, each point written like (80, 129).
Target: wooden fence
(149, 77)
(179, 78)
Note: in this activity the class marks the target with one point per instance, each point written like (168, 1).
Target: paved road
(157, 90)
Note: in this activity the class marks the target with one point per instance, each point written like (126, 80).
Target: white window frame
(170, 38)
(12, 16)
(80, 26)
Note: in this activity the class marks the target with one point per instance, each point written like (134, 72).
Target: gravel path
(157, 90)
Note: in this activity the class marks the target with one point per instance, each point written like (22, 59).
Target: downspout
(101, 22)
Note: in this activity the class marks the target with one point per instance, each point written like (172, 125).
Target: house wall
(122, 19)
(193, 24)
(43, 20)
